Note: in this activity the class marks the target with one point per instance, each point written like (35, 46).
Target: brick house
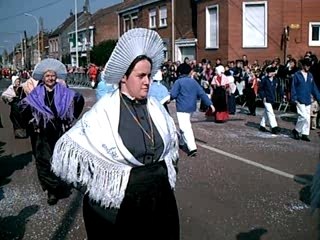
(112, 22)
(260, 29)
(62, 41)
(105, 23)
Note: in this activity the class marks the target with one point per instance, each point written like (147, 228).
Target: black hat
(271, 69)
(184, 68)
(306, 62)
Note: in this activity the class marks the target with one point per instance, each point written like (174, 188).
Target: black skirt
(148, 211)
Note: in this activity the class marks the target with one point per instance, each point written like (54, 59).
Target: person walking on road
(12, 96)
(303, 86)
(186, 92)
(50, 109)
(124, 149)
(268, 88)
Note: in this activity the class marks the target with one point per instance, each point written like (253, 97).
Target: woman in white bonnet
(50, 109)
(124, 150)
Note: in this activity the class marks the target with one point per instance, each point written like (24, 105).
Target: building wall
(301, 12)
(281, 13)
(183, 19)
(222, 51)
(105, 22)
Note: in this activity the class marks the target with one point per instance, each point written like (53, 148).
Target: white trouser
(303, 122)
(186, 130)
(268, 116)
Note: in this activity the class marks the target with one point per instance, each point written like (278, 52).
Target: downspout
(173, 32)
(118, 25)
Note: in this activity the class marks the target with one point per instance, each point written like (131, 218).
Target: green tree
(101, 53)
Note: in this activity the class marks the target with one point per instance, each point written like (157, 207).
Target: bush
(101, 53)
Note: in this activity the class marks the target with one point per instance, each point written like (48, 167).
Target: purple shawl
(63, 99)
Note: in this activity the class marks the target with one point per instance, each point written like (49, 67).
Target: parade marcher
(50, 109)
(124, 149)
(13, 96)
(159, 91)
(219, 95)
(29, 85)
(303, 86)
(186, 92)
(103, 88)
(268, 88)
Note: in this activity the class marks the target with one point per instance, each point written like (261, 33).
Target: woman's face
(17, 82)
(138, 82)
(49, 78)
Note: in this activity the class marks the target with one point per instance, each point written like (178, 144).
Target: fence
(78, 79)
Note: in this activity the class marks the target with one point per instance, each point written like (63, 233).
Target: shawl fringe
(105, 182)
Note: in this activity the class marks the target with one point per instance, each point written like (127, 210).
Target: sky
(13, 21)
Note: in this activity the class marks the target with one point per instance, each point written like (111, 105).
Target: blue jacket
(301, 90)
(103, 88)
(159, 91)
(268, 89)
(186, 91)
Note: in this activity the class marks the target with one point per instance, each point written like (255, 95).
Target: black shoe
(192, 153)
(52, 199)
(295, 134)
(262, 129)
(253, 114)
(275, 130)
(305, 138)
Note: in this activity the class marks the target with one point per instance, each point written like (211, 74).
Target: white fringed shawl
(92, 153)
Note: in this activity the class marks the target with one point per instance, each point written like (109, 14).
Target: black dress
(149, 209)
(43, 140)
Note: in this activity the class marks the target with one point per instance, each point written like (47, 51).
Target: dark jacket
(186, 92)
(268, 89)
(301, 90)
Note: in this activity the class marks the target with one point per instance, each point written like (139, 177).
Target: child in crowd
(314, 112)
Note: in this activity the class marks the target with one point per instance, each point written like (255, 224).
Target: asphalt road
(243, 185)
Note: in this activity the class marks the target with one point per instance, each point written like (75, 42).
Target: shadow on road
(254, 234)
(304, 193)
(68, 218)
(13, 227)
(8, 163)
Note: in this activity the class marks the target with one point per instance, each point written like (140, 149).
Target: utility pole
(76, 30)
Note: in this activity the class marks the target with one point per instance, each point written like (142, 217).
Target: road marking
(255, 164)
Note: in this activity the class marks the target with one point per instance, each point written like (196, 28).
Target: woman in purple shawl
(50, 110)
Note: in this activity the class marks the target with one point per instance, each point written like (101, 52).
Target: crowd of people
(123, 152)
(245, 83)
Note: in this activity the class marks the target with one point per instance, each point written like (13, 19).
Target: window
(152, 18)
(212, 27)
(254, 24)
(163, 16)
(314, 34)
(130, 21)
(126, 24)
(134, 20)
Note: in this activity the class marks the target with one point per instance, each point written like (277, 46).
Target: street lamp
(22, 45)
(38, 27)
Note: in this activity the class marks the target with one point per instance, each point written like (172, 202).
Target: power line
(31, 10)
